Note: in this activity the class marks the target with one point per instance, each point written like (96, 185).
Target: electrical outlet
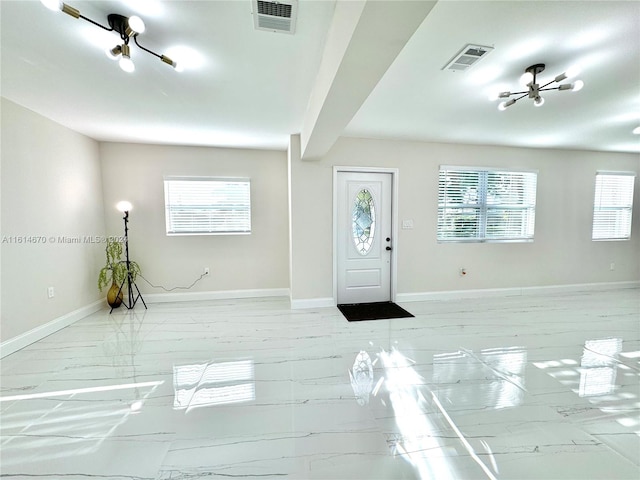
(51, 292)
(206, 270)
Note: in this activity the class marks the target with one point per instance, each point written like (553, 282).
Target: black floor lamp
(124, 207)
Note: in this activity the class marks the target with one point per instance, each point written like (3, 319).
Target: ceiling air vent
(467, 57)
(279, 17)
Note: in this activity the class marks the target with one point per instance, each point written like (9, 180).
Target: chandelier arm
(546, 89)
(95, 23)
(135, 39)
(526, 94)
(518, 93)
(547, 84)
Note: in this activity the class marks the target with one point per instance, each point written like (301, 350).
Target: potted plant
(115, 273)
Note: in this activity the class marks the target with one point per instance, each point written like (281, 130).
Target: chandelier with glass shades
(128, 28)
(530, 81)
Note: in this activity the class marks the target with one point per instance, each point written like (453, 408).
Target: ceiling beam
(364, 39)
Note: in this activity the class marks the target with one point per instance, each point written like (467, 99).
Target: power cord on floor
(174, 288)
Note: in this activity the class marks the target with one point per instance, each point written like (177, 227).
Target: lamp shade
(124, 206)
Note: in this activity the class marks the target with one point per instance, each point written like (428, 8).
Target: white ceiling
(249, 88)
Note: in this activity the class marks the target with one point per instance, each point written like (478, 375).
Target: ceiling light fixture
(128, 28)
(529, 80)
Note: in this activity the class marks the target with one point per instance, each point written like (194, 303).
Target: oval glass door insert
(364, 221)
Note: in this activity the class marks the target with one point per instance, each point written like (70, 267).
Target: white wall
(238, 262)
(54, 183)
(561, 254)
(51, 188)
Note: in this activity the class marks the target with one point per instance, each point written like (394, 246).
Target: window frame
(483, 207)
(243, 224)
(598, 207)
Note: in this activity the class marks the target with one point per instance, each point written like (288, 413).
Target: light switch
(407, 224)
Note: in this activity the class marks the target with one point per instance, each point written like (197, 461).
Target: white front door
(363, 237)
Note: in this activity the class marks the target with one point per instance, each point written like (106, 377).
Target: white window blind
(613, 205)
(482, 204)
(207, 205)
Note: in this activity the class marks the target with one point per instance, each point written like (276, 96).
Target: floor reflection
(57, 424)
(419, 441)
(492, 378)
(209, 384)
(428, 437)
(599, 366)
(361, 377)
(600, 378)
(125, 341)
(63, 423)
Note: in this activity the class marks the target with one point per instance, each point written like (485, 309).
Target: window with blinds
(484, 205)
(613, 205)
(207, 205)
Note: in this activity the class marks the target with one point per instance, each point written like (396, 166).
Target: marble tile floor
(525, 387)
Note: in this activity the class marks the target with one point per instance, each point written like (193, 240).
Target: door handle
(388, 248)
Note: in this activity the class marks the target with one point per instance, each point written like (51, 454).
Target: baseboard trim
(520, 291)
(312, 303)
(214, 295)
(27, 338)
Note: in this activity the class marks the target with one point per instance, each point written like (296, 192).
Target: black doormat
(354, 312)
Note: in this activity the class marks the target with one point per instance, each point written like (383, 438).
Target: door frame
(395, 173)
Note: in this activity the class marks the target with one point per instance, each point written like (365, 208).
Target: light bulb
(538, 101)
(526, 78)
(572, 72)
(126, 64)
(54, 5)
(577, 85)
(136, 24)
(636, 131)
(124, 206)
(503, 106)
